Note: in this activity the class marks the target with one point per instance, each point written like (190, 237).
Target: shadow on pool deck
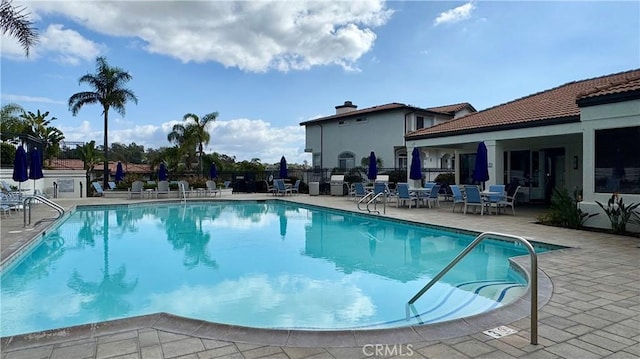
(588, 308)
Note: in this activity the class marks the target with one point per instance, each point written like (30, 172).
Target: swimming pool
(265, 264)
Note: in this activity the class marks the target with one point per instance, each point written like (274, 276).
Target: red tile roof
(556, 105)
(388, 107)
(452, 109)
(75, 164)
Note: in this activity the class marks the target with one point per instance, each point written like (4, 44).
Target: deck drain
(500, 332)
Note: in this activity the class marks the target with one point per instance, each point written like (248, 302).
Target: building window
(361, 120)
(617, 164)
(402, 161)
(343, 123)
(520, 168)
(317, 160)
(346, 160)
(419, 122)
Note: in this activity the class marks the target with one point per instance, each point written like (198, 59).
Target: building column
(494, 160)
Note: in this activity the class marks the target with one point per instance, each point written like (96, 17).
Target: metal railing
(26, 205)
(533, 279)
(365, 199)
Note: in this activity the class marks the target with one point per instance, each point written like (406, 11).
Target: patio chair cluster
(494, 200)
(280, 188)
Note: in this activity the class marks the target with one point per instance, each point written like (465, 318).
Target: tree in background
(109, 91)
(38, 126)
(10, 121)
(90, 156)
(15, 23)
(193, 132)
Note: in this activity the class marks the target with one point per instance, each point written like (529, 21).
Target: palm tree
(108, 83)
(14, 21)
(10, 123)
(37, 125)
(193, 132)
(90, 157)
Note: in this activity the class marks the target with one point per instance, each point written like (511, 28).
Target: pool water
(263, 264)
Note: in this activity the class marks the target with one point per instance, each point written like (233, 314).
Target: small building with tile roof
(341, 140)
(582, 135)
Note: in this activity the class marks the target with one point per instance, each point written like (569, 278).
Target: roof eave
(611, 98)
(505, 127)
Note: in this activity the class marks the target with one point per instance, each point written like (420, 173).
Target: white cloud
(455, 15)
(22, 98)
(67, 46)
(243, 138)
(61, 45)
(254, 36)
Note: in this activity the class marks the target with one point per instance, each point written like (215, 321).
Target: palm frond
(15, 22)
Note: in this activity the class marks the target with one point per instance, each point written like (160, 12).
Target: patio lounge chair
(358, 191)
(270, 188)
(509, 201)
(163, 188)
(184, 190)
(473, 199)
(296, 187)
(98, 188)
(281, 187)
(212, 189)
(5, 210)
(10, 202)
(137, 189)
(112, 186)
(434, 196)
(493, 200)
(457, 197)
(403, 195)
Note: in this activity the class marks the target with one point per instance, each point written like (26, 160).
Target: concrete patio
(589, 305)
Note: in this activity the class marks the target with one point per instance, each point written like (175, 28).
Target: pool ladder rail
(533, 279)
(26, 206)
(372, 198)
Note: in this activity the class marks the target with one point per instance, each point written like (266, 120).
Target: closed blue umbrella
(35, 167)
(162, 172)
(20, 166)
(481, 171)
(415, 172)
(119, 172)
(373, 167)
(213, 171)
(283, 167)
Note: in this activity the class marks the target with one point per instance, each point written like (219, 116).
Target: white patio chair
(163, 188)
(137, 189)
(510, 201)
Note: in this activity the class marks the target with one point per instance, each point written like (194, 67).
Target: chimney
(347, 107)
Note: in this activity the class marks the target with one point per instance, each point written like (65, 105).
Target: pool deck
(589, 305)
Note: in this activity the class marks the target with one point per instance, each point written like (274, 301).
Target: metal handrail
(374, 200)
(363, 199)
(183, 191)
(26, 206)
(469, 248)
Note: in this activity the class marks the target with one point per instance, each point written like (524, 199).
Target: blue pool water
(260, 264)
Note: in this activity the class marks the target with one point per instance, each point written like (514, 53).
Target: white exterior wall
(68, 182)
(615, 115)
(379, 133)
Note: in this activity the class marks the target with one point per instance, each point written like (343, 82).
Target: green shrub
(564, 211)
(445, 178)
(619, 214)
(7, 153)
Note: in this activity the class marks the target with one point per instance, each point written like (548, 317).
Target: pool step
(470, 298)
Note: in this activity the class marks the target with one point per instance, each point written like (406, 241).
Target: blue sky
(267, 66)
